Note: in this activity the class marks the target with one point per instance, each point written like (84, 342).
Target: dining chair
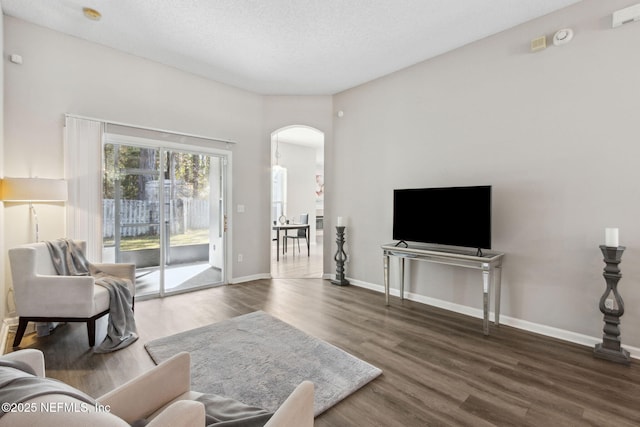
(301, 234)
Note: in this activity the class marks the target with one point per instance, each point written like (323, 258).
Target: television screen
(456, 216)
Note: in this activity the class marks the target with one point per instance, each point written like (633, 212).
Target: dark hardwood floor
(439, 369)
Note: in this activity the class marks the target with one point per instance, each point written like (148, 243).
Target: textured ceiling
(288, 47)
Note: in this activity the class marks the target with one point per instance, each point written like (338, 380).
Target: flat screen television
(455, 216)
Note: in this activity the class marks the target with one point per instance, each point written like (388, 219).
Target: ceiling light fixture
(92, 14)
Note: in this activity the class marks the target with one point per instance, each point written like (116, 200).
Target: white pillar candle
(340, 222)
(611, 237)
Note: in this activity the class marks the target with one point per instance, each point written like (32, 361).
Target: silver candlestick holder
(340, 258)
(612, 308)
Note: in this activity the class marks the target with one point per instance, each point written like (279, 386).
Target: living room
(550, 131)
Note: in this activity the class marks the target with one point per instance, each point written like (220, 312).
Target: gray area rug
(259, 360)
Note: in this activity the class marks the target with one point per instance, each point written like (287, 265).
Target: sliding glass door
(163, 210)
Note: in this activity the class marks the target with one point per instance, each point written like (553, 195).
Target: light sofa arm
(32, 357)
(126, 271)
(183, 413)
(147, 393)
(297, 410)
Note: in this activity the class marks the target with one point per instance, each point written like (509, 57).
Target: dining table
(286, 227)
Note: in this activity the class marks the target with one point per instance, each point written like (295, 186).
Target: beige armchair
(43, 296)
(161, 395)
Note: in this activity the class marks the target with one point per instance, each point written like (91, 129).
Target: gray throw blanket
(225, 412)
(19, 384)
(69, 260)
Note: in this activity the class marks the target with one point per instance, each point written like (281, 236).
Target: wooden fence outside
(142, 217)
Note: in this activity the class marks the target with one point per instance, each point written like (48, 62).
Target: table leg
(385, 263)
(485, 301)
(284, 242)
(401, 278)
(278, 244)
(497, 279)
(308, 232)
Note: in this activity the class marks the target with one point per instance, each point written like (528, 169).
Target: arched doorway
(297, 190)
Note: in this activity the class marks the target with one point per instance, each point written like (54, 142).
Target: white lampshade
(33, 190)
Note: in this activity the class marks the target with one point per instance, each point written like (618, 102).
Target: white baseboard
(525, 325)
(250, 278)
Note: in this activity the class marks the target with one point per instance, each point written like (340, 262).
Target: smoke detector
(562, 36)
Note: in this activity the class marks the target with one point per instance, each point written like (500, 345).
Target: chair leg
(22, 327)
(91, 330)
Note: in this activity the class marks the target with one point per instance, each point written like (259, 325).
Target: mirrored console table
(490, 263)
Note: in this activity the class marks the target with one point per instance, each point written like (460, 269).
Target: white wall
(554, 132)
(62, 74)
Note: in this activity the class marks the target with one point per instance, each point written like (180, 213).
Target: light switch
(15, 58)
(240, 208)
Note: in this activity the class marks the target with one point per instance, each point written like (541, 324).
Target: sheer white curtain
(83, 172)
